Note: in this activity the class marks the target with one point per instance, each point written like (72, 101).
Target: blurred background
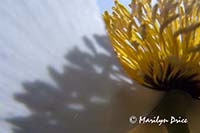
(107, 4)
(58, 72)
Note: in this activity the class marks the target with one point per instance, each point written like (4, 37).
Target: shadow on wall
(92, 96)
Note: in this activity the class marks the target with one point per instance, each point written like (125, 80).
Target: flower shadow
(92, 95)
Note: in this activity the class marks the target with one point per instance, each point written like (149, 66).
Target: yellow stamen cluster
(148, 38)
